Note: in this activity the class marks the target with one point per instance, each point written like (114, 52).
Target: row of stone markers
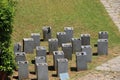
(80, 46)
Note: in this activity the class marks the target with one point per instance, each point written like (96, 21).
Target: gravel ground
(107, 71)
(113, 9)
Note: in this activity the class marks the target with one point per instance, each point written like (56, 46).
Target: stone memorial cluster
(69, 45)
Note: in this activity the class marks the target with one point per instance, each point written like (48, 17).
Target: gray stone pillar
(40, 59)
(40, 51)
(42, 71)
(62, 38)
(36, 38)
(76, 45)
(102, 48)
(20, 56)
(23, 72)
(57, 55)
(85, 39)
(88, 51)
(67, 49)
(103, 35)
(47, 33)
(53, 44)
(69, 33)
(28, 45)
(17, 47)
(62, 66)
(81, 61)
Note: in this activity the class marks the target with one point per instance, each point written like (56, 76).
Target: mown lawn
(85, 16)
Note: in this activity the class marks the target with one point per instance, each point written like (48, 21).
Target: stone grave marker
(17, 47)
(102, 48)
(62, 38)
(53, 45)
(40, 59)
(20, 56)
(67, 49)
(69, 33)
(85, 39)
(62, 66)
(88, 50)
(81, 61)
(23, 72)
(28, 45)
(47, 33)
(57, 55)
(36, 37)
(42, 71)
(76, 45)
(40, 51)
(103, 35)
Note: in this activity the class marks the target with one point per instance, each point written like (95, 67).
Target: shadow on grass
(15, 77)
(34, 79)
(51, 68)
(32, 72)
(95, 54)
(74, 69)
(54, 75)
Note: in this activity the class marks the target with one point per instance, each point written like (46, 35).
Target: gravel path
(113, 9)
(109, 70)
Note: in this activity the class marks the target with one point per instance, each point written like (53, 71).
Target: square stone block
(28, 45)
(57, 55)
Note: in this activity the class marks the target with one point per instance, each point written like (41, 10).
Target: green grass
(85, 16)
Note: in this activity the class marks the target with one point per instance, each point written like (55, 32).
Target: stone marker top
(81, 53)
(23, 62)
(40, 47)
(67, 45)
(39, 64)
(35, 34)
(53, 39)
(102, 40)
(103, 32)
(76, 38)
(20, 53)
(28, 39)
(85, 35)
(68, 28)
(61, 33)
(40, 57)
(46, 27)
(86, 46)
(58, 52)
(62, 60)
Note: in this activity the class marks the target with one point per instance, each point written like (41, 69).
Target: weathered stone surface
(53, 45)
(40, 51)
(62, 38)
(81, 61)
(28, 45)
(88, 50)
(23, 72)
(76, 45)
(36, 38)
(85, 39)
(42, 71)
(47, 33)
(67, 49)
(17, 47)
(62, 66)
(102, 48)
(57, 55)
(103, 35)
(20, 56)
(69, 33)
